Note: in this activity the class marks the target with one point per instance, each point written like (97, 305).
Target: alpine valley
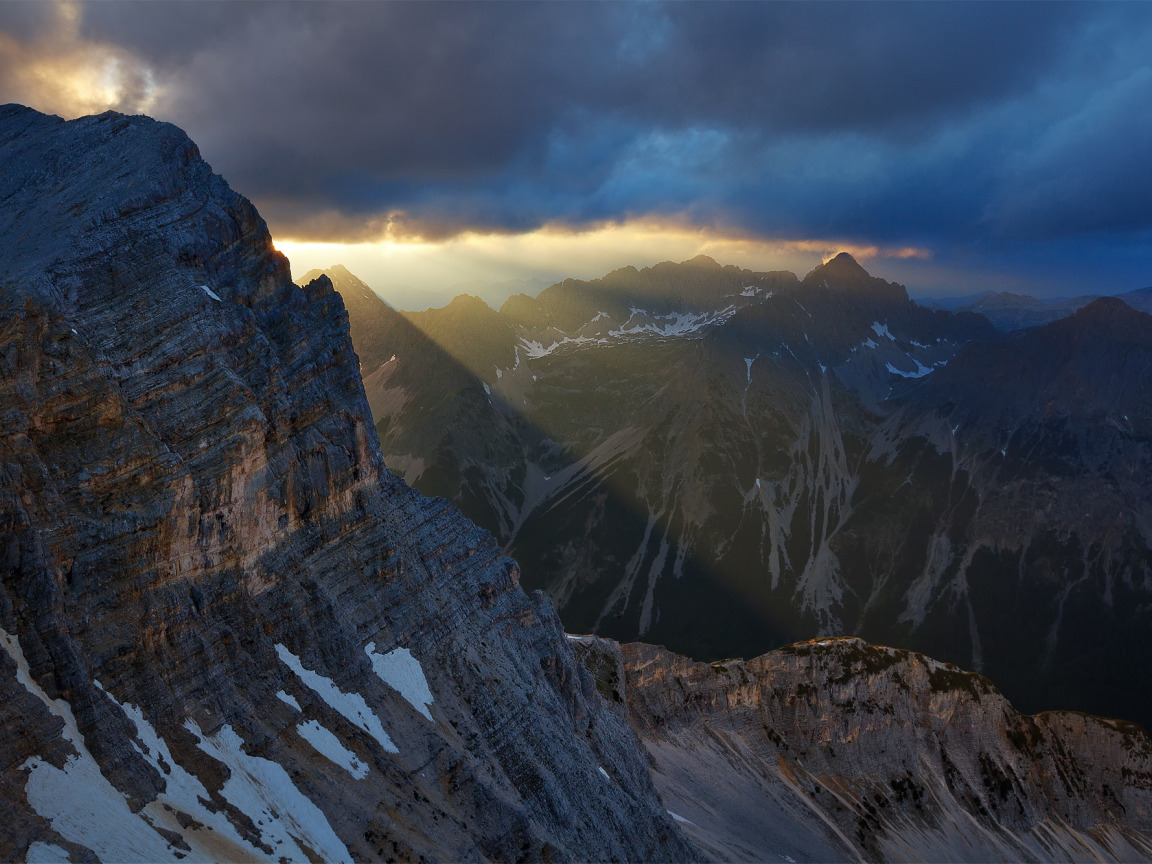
(230, 632)
(723, 461)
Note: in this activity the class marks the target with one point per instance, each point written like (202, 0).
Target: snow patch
(536, 350)
(350, 705)
(868, 343)
(262, 790)
(287, 699)
(77, 799)
(487, 389)
(211, 293)
(674, 323)
(183, 792)
(921, 370)
(882, 330)
(605, 773)
(329, 746)
(679, 818)
(46, 853)
(404, 674)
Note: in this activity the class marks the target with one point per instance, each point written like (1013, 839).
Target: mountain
(834, 750)
(228, 632)
(1140, 299)
(1031, 527)
(724, 461)
(1009, 312)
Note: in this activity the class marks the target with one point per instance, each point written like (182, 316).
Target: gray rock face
(839, 750)
(228, 631)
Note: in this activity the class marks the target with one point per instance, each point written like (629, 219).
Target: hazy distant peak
(1113, 317)
(468, 302)
(1104, 307)
(701, 261)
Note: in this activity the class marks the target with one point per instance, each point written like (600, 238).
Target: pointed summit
(843, 269)
(844, 273)
(844, 266)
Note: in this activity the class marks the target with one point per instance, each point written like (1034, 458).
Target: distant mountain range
(724, 461)
(229, 633)
(1008, 311)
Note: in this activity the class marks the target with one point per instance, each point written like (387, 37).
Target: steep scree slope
(835, 749)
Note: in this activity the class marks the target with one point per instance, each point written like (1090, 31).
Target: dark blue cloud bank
(1011, 140)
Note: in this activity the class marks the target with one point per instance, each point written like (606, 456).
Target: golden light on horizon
(555, 252)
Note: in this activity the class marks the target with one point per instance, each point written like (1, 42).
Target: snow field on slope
(329, 746)
(262, 790)
(183, 792)
(350, 705)
(404, 674)
(77, 799)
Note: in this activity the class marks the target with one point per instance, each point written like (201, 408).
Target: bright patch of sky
(419, 275)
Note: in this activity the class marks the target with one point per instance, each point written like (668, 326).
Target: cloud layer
(1000, 136)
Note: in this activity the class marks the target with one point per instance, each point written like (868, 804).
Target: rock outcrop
(228, 631)
(835, 749)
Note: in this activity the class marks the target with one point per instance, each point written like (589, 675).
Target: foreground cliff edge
(835, 749)
(229, 633)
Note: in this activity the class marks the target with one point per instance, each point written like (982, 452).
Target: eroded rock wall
(228, 630)
(836, 749)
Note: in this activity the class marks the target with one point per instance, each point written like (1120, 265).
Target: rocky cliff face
(228, 632)
(836, 749)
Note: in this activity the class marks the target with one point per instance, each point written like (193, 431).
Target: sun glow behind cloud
(61, 73)
(471, 260)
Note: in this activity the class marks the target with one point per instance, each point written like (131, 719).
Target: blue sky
(972, 146)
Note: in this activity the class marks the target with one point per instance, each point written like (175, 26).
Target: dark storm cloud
(907, 123)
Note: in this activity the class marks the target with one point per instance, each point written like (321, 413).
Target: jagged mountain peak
(840, 266)
(843, 273)
(227, 670)
(345, 281)
(471, 331)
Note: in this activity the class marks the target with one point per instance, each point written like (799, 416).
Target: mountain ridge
(227, 630)
(771, 437)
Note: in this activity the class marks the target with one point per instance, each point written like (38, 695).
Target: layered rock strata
(228, 631)
(835, 749)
